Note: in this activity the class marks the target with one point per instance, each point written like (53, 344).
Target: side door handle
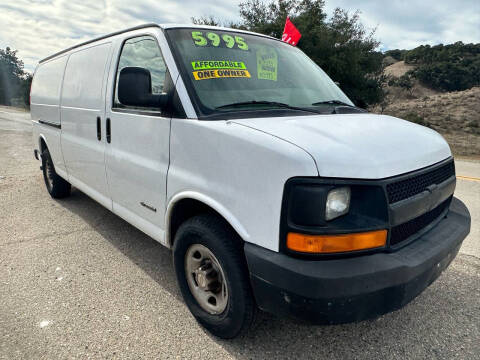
(108, 131)
(99, 129)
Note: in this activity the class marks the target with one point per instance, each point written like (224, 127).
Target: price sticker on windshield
(214, 39)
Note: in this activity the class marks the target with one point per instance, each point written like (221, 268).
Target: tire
(212, 233)
(57, 187)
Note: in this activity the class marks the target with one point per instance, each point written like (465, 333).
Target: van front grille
(416, 184)
(403, 231)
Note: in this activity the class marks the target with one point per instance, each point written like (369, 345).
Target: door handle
(108, 131)
(99, 129)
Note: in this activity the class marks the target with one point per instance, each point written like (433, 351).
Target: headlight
(321, 216)
(338, 203)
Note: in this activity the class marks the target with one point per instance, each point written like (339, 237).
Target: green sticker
(218, 64)
(267, 64)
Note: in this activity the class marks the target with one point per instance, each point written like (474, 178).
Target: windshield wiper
(332, 102)
(264, 102)
(337, 107)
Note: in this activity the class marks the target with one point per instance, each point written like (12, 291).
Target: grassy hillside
(455, 115)
(453, 67)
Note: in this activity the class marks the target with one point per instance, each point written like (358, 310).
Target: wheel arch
(42, 143)
(188, 204)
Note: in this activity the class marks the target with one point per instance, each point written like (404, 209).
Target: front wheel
(57, 187)
(213, 277)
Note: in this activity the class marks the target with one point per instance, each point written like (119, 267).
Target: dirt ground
(398, 68)
(455, 115)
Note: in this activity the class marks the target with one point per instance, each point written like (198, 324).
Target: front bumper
(356, 288)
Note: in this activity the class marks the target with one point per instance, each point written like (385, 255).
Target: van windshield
(228, 71)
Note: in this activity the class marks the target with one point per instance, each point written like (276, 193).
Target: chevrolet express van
(240, 154)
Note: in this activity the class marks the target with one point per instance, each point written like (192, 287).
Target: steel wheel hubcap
(206, 279)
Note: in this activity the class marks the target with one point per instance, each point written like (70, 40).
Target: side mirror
(135, 89)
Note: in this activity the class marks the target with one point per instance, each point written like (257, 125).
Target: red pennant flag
(291, 35)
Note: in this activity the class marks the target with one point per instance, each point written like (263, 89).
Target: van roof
(161, 26)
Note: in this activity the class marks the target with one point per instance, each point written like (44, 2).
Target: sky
(38, 28)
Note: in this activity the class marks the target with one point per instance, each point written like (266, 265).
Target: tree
(340, 45)
(446, 67)
(397, 54)
(14, 81)
(24, 94)
(204, 20)
(345, 50)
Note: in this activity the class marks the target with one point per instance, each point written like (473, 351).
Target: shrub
(397, 54)
(415, 118)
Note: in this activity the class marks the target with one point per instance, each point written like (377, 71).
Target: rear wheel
(57, 187)
(213, 277)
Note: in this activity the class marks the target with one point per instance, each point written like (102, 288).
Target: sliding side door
(82, 112)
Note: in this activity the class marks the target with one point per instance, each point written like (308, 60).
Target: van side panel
(83, 98)
(82, 86)
(45, 108)
(46, 87)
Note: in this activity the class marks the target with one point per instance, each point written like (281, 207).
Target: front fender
(212, 203)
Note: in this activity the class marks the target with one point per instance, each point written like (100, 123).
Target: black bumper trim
(356, 288)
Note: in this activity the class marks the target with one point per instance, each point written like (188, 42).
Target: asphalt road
(76, 281)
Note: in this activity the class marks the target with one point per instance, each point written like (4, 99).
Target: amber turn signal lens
(336, 243)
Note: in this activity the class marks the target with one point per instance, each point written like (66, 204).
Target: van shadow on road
(153, 258)
(429, 326)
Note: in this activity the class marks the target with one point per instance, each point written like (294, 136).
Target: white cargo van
(238, 152)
